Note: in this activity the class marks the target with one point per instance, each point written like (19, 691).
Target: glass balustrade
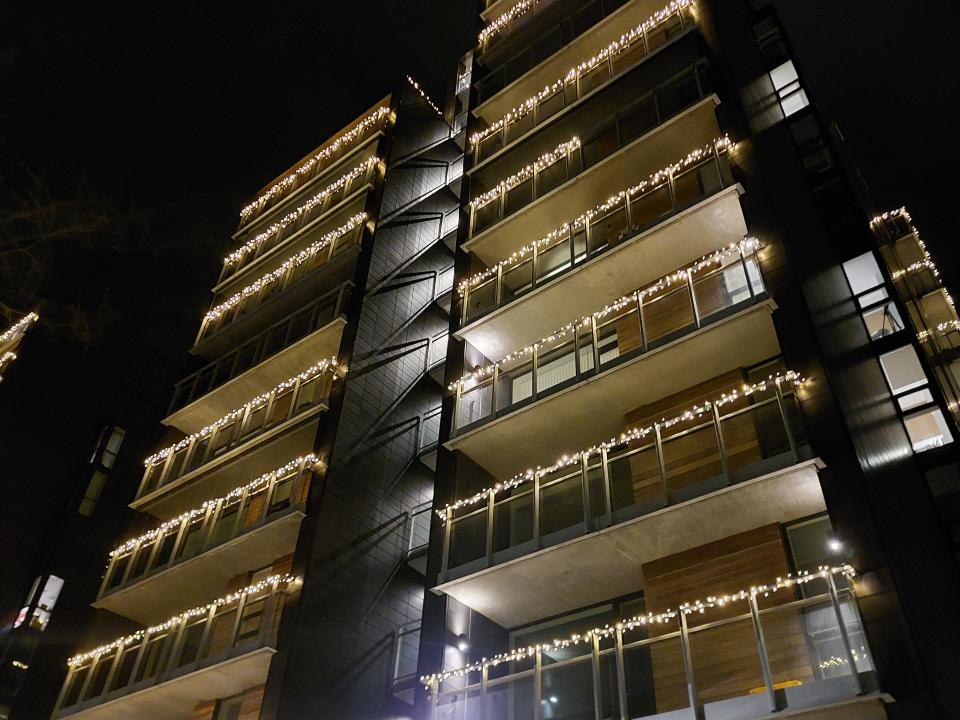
(631, 123)
(275, 338)
(789, 651)
(293, 274)
(184, 644)
(639, 212)
(243, 426)
(196, 533)
(572, 88)
(649, 319)
(744, 439)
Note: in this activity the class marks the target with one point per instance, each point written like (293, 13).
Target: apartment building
(281, 571)
(694, 411)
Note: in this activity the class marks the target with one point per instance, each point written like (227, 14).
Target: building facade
(591, 396)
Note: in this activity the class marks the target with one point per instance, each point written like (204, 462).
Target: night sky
(179, 112)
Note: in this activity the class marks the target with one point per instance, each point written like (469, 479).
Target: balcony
(266, 431)
(177, 563)
(288, 286)
(793, 646)
(586, 80)
(306, 215)
(549, 53)
(260, 363)
(698, 462)
(160, 673)
(520, 209)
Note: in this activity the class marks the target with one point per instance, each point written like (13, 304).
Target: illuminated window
(922, 417)
(786, 82)
(42, 605)
(880, 314)
(103, 458)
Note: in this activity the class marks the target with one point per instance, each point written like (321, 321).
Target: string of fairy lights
(301, 257)
(126, 640)
(423, 94)
(637, 433)
(721, 144)
(501, 21)
(329, 365)
(306, 168)
(307, 462)
(925, 262)
(19, 327)
(745, 247)
(546, 160)
(293, 216)
(581, 69)
(691, 607)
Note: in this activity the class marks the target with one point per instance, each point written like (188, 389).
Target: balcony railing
(226, 628)
(791, 648)
(291, 399)
(301, 218)
(295, 269)
(670, 462)
(582, 80)
(275, 338)
(214, 523)
(674, 306)
(627, 126)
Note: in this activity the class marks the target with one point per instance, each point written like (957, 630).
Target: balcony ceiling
(662, 146)
(320, 344)
(606, 564)
(593, 410)
(680, 240)
(175, 699)
(188, 584)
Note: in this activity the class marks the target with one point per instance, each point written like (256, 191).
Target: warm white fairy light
(544, 161)
(423, 94)
(19, 327)
(721, 144)
(630, 435)
(746, 246)
(186, 615)
(926, 262)
(501, 21)
(298, 259)
(308, 167)
(650, 618)
(617, 46)
(311, 372)
(307, 461)
(292, 217)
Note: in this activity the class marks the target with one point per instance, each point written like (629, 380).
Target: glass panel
(512, 699)
(152, 477)
(77, 680)
(927, 429)
(198, 454)
(655, 676)
(116, 573)
(667, 314)
(882, 321)
(753, 438)
(594, 78)
(629, 55)
(154, 656)
(609, 229)
(251, 617)
(519, 196)
(486, 215)
(254, 420)
(468, 538)
(638, 120)
(190, 641)
(280, 499)
(225, 521)
(550, 105)
(556, 364)
(254, 507)
(141, 558)
(222, 438)
(554, 258)
(567, 691)
(664, 32)
(475, 404)
(221, 631)
(310, 392)
(515, 382)
(599, 146)
(121, 677)
(192, 538)
(697, 183)
(635, 477)
(903, 370)
(863, 273)
(519, 126)
(176, 464)
(100, 672)
(512, 520)
(517, 279)
(554, 175)
(482, 298)
(489, 145)
(721, 289)
(280, 408)
(561, 502)
(693, 464)
(650, 208)
(619, 334)
(596, 495)
(726, 663)
(465, 705)
(165, 550)
(609, 694)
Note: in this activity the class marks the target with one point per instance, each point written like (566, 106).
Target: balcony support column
(762, 650)
(204, 644)
(695, 705)
(643, 325)
(595, 667)
(607, 495)
(108, 683)
(721, 446)
(537, 685)
(661, 466)
(536, 510)
(585, 492)
(786, 424)
(446, 553)
(693, 300)
(844, 637)
(489, 547)
(621, 677)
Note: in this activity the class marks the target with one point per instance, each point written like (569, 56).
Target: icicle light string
(625, 40)
(19, 327)
(298, 259)
(927, 261)
(501, 21)
(544, 161)
(321, 367)
(291, 217)
(721, 144)
(308, 167)
(746, 246)
(630, 435)
(186, 615)
(659, 618)
(307, 461)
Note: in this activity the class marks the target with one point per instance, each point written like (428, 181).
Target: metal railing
(571, 88)
(294, 274)
(686, 460)
(268, 412)
(653, 317)
(185, 644)
(336, 196)
(275, 338)
(638, 214)
(786, 652)
(627, 126)
(219, 522)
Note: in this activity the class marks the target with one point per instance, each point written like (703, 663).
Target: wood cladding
(725, 659)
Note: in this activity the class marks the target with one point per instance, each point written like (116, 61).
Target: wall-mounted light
(462, 643)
